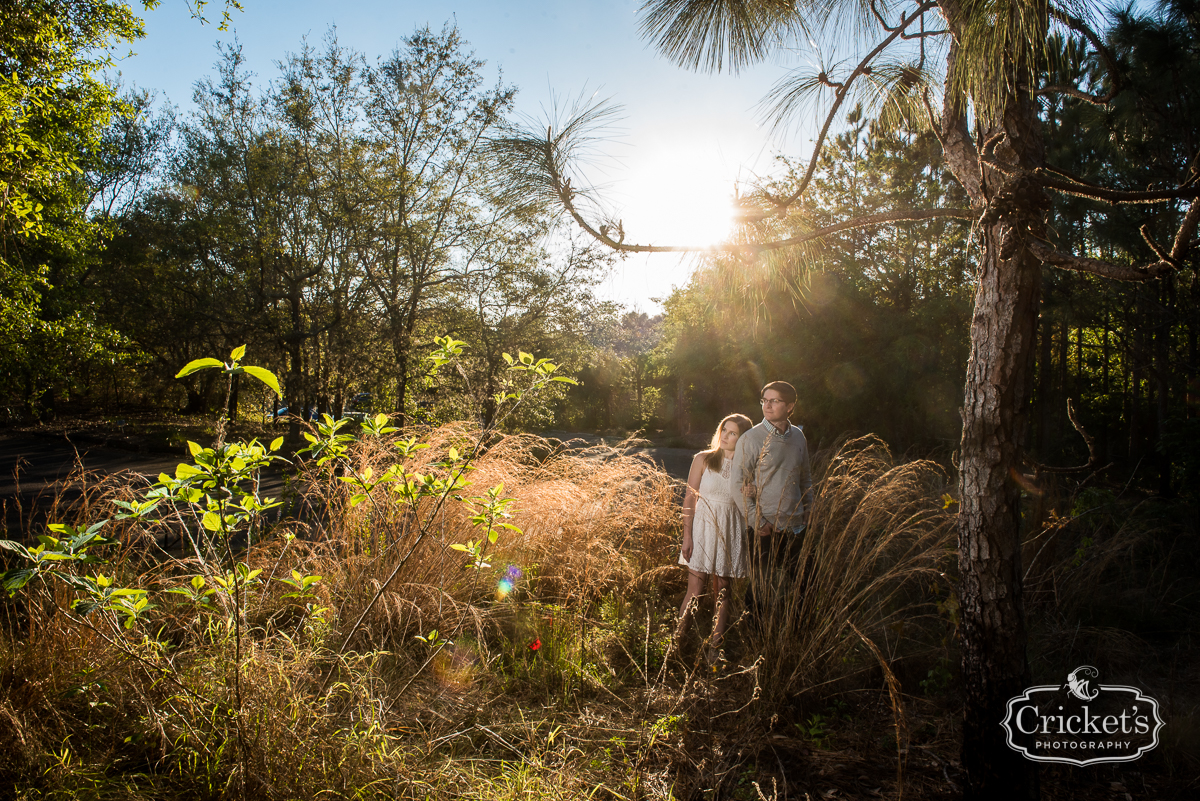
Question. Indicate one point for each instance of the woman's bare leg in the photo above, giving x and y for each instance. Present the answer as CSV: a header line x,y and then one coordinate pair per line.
x,y
694,590
721,589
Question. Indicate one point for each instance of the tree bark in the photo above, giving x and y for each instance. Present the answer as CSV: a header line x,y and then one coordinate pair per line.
x,y
994,666
995,426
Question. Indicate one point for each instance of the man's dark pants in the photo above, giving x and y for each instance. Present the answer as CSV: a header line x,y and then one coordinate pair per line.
x,y
775,553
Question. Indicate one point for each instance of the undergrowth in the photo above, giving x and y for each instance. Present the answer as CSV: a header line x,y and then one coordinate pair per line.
x,y
408,667
457,613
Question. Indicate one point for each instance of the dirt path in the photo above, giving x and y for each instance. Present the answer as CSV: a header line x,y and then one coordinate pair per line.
x,y
34,468
32,464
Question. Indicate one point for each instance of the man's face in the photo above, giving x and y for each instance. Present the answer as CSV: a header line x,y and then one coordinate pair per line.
x,y
775,410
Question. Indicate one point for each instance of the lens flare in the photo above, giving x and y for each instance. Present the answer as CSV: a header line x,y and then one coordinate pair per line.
x,y
506,584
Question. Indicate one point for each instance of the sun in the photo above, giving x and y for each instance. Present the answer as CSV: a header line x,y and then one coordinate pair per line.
x,y
679,198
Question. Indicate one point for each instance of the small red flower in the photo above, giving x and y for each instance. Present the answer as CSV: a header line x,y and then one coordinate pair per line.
x,y
536,644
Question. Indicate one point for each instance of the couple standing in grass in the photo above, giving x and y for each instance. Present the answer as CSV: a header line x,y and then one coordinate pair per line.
x,y
751,486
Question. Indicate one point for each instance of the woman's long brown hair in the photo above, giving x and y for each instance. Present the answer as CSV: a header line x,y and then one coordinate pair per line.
x,y
714,457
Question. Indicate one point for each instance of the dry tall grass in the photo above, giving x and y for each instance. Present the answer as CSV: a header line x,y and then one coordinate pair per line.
x,y
878,536
545,686
593,525
834,614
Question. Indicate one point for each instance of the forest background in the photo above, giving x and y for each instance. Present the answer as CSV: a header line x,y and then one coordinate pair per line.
x,y
336,220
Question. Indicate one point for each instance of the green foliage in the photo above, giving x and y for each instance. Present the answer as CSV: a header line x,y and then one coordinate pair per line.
x,y
195,591
232,368
937,680
816,730
55,105
53,554
56,110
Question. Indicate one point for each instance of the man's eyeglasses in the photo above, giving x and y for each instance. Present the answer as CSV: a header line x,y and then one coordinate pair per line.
x,y
773,401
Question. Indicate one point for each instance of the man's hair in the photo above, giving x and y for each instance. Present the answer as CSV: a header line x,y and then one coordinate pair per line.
x,y
785,390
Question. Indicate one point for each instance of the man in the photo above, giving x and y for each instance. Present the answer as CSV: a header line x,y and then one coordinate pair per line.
x,y
771,461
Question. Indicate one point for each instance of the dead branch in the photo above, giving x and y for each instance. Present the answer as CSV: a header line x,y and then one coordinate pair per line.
x,y
1106,269
1117,196
866,221
1080,188
1093,460
1167,262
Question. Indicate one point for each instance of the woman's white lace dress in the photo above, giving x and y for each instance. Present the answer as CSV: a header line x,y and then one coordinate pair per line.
x,y
717,526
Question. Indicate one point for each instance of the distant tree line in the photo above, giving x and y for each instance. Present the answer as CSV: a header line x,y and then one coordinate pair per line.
x,y
339,218
334,221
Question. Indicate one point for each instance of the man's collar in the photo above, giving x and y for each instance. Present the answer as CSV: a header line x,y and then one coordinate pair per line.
x,y
768,424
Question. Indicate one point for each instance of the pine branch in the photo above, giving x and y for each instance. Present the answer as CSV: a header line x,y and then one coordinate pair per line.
x,y
842,92
1167,262
1079,26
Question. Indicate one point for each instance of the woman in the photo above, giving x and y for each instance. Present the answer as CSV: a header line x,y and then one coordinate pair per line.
x,y
712,527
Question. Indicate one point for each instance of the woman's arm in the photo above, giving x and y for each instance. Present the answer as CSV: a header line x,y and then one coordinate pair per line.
x,y
690,496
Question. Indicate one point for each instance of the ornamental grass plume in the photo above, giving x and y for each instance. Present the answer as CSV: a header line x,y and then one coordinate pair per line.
x,y
878,535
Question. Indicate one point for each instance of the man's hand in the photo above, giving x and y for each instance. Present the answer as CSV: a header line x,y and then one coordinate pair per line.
x,y
765,530
749,490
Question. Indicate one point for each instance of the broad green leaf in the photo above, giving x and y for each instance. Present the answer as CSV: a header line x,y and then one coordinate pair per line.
x,y
15,547
277,443
198,364
84,606
266,376
195,448
211,521
14,580
184,470
237,353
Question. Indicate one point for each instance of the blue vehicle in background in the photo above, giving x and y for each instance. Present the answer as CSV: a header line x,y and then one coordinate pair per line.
x,y
358,408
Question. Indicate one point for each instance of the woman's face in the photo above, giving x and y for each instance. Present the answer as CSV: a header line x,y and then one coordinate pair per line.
x,y
729,436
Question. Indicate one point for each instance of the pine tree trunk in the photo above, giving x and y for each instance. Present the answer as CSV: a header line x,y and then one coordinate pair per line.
x,y
995,432
999,374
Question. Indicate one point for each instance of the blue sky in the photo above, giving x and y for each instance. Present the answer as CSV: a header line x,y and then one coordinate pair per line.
x,y
684,141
